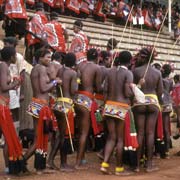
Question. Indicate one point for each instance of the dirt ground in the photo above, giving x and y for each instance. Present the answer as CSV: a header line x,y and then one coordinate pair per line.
x,y
169,169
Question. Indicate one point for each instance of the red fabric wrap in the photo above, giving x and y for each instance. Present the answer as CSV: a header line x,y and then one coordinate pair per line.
x,y
98,9
159,129
42,138
73,5
36,26
70,117
54,34
94,107
9,132
130,138
176,95
79,46
15,9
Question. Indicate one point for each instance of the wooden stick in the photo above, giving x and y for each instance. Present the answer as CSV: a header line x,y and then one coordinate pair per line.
x,y
69,130
154,45
175,43
123,33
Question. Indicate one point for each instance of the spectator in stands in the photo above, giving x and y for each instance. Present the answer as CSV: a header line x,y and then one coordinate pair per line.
x,y
55,34
15,18
35,26
80,42
72,7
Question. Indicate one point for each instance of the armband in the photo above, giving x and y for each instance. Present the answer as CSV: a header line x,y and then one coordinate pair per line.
x,y
54,83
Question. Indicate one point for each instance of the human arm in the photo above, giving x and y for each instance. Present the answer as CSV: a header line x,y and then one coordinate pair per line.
x,y
74,83
5,86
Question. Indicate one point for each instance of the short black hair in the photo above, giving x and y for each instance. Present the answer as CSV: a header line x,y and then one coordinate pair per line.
x,y
124,58
166,70
79,24
41,53
70,59
176,77
7,53
92,54
54,15
11,40
39,6
58,56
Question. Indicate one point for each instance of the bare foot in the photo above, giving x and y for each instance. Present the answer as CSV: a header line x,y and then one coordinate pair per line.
x,y
66,168
105,171
151,169
81,167
51,165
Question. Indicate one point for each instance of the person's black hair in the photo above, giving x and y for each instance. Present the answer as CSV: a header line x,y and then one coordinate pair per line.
x,y
39,6
11,40
41,53
54,15
70,59
112,43
124,58
58,56
7,53
92,54
176,78
79,24
166,70
157,66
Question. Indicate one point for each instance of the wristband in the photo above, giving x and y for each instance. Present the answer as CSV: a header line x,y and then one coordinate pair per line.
x,y
54,83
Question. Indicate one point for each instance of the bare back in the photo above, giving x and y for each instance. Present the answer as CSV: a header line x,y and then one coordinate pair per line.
x,y
118,81
153,80
91,77
69,81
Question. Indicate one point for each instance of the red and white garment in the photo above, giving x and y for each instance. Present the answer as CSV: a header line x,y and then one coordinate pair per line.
x,y
59,4
36,26
147,19
73,5
15,9
98,9
30,2
79,47
53,33
84,6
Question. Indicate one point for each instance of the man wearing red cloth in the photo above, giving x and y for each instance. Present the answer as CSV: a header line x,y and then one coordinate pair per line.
x,y
36,25
79,44
15,18
117,113
55,34
15,160
85,106
44,121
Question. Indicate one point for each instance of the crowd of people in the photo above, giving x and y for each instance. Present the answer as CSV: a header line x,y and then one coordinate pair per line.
x,y
75,97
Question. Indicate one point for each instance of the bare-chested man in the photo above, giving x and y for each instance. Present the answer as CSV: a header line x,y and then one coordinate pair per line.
x,y
39,109
63,109
146,114
90,83
117,94
14,163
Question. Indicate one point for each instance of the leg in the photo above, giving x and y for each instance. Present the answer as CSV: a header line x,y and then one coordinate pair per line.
x,y
166,124
84,129
151,120
120,142
110,143
31,150
139,114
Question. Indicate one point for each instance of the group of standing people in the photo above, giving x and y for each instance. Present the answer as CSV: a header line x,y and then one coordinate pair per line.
x,y
74,89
